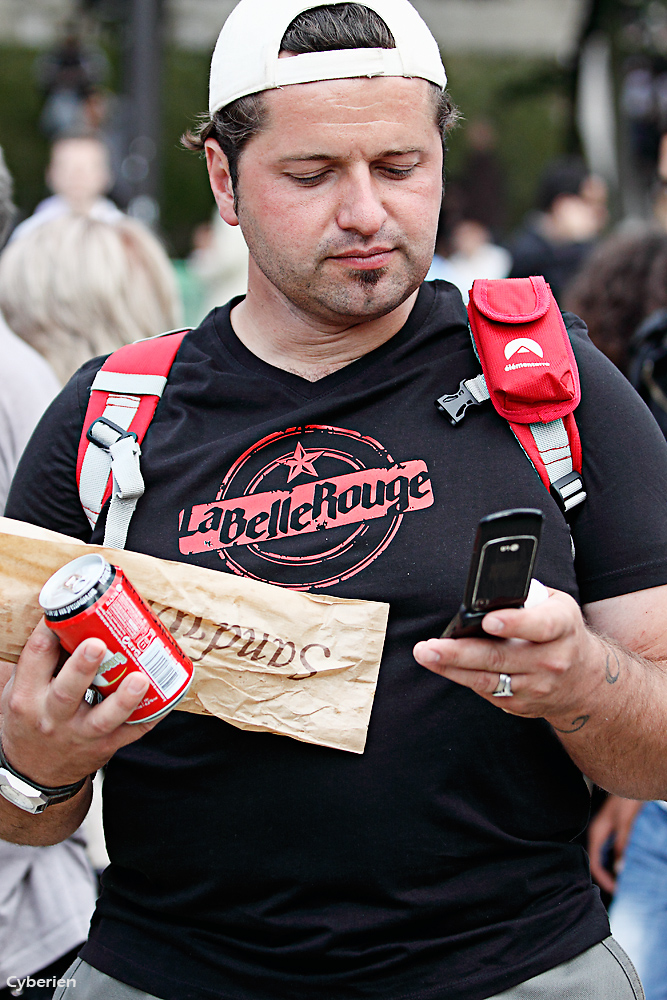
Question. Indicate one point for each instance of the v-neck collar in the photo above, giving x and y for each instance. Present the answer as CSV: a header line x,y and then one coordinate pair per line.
x,y
321,387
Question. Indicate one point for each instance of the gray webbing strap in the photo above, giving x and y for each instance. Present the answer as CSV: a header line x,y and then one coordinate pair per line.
x,y
554,449
477,388
128,487
111,452
139,385
97,461
120,453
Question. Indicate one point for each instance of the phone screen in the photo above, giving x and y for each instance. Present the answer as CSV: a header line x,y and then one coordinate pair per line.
x,y
504,571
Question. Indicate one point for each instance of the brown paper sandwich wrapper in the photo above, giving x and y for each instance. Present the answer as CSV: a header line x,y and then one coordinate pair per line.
x,y
266,658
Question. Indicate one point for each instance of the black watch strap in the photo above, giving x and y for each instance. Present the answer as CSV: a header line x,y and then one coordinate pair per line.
x,y
58,794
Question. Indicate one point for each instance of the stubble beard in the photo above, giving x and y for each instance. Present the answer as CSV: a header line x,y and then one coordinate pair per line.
x,y
320,295
340,297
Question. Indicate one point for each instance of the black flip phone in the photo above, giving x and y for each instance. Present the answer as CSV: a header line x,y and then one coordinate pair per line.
x,y
500,569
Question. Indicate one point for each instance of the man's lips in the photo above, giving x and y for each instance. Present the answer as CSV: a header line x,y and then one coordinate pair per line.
x,y
365,259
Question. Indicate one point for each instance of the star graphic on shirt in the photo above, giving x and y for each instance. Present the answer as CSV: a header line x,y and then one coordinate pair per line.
x,y
302,461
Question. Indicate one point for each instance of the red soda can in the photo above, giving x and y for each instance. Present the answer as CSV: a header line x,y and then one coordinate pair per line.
x,y
89,598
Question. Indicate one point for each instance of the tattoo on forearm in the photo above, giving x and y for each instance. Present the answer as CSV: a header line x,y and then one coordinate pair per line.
x,y
610,676
576,724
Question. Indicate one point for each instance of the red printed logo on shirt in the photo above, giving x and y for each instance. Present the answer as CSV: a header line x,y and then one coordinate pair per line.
x,y
307,507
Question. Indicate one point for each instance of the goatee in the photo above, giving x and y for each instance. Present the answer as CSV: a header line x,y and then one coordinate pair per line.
x,y
370,278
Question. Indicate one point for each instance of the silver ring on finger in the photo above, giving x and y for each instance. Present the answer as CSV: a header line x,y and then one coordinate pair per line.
x,y
504,687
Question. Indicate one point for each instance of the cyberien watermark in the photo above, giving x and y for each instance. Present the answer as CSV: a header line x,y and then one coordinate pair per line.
x,y
17,985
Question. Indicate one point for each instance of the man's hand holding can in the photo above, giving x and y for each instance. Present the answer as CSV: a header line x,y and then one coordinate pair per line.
x,y
50,733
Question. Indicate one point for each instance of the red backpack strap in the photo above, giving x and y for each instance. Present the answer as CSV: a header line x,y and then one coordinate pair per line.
x,y
123,399
530,375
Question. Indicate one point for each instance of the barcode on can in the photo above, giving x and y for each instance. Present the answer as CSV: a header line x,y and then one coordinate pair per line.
x,y
163,669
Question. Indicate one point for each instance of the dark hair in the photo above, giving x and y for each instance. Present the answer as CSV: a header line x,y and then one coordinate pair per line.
x,y
623,280
333,26
564,175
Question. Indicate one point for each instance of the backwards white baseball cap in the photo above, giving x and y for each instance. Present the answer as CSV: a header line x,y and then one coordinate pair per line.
x,y
245,60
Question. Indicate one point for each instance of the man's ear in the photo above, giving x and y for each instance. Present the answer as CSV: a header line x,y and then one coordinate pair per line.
x,y
221,182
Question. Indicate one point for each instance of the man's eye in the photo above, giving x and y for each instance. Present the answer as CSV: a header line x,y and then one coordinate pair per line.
x,y
398,171
309,180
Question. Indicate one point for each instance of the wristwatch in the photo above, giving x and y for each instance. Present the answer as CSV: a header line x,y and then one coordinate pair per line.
x,y
27,794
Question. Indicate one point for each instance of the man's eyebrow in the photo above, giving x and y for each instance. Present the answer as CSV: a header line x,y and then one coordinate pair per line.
x,y
307,158
318,157
402,152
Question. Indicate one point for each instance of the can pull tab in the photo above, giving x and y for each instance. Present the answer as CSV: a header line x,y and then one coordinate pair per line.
x,y
76,583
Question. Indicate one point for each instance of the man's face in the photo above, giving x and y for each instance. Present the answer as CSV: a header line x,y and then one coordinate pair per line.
x,y
338,197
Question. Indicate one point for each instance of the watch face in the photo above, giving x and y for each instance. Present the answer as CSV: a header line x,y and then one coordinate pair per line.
x,y
10,789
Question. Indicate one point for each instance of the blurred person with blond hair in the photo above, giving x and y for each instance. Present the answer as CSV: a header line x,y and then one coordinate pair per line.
x,y
79,287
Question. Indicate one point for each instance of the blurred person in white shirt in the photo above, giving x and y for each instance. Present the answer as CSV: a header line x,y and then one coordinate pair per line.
x,y
79,174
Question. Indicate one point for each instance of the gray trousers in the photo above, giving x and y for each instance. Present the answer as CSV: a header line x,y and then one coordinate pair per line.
x,y
604,972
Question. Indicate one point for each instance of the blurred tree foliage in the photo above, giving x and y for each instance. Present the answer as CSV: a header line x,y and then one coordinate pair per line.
x,y
529,104
25,147
642,23
635,32
187,198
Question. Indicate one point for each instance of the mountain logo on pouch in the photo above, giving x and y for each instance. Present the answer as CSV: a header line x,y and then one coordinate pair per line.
x,y
307,507
524,345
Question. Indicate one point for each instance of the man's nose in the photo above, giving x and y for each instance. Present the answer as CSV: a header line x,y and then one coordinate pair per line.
x,y
361,206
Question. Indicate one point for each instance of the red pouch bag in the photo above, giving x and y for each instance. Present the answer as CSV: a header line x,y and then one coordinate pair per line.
x,y
524,349
527,359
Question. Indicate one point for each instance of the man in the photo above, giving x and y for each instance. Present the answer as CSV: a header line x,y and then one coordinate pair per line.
x,y
440,863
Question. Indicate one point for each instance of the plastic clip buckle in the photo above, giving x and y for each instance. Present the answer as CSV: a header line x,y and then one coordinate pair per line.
x,y
568,491
454,407
120,431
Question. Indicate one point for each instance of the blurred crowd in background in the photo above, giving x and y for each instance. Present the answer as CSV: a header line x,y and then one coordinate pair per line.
x,y
94,262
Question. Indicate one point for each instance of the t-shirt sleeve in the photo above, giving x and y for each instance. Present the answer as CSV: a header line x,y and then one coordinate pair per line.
x,y
44,490
620,532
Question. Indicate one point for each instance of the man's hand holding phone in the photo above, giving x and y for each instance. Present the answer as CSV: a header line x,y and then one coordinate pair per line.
x,y
538,671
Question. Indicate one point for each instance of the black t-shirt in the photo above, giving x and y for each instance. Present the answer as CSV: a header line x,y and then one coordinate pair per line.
x,y
440,863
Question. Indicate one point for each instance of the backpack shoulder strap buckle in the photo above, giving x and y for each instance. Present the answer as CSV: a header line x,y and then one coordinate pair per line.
x,y
471,392
104,433
568,492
